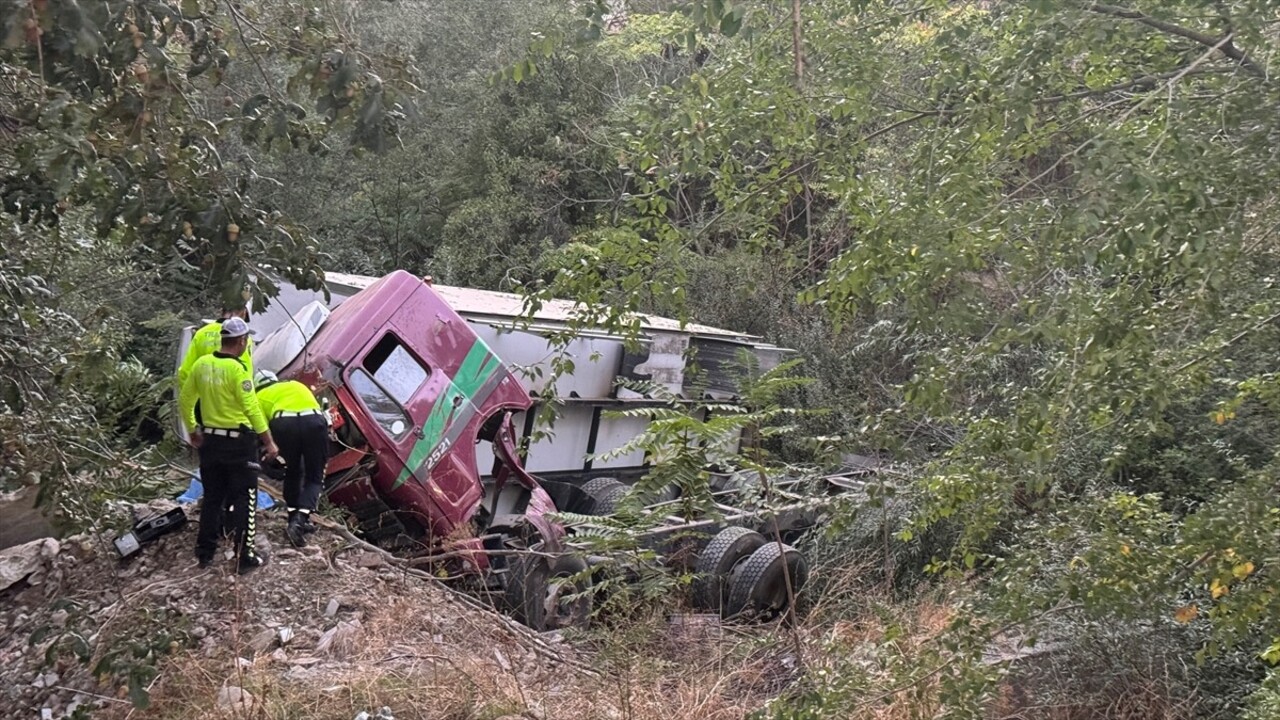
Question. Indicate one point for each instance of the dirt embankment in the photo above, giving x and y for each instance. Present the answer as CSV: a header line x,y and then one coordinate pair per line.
x,y
331,631
20,521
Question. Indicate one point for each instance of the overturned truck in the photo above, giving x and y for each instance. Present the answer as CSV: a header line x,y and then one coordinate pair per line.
x,y
428,418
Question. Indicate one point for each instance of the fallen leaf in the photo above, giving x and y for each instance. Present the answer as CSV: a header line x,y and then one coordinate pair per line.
x,y
1186,614
1217,589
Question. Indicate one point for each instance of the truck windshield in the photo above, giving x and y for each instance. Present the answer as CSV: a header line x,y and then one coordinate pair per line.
x,y
382,407
397,371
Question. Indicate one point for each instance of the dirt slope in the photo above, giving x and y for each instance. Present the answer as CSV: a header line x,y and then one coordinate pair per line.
x,y
328,631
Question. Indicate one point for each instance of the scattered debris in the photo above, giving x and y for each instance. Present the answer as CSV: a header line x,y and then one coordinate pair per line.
x,y
223,645
28,561
149,527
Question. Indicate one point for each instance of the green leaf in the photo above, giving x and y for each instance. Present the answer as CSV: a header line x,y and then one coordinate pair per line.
x,y
731,22
253,104
138,693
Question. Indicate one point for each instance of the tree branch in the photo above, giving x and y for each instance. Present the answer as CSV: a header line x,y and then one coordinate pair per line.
x,y
797,42
1145,82
904,121
237,18
1223,45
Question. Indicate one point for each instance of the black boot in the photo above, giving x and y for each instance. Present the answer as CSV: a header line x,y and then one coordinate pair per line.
x,y
249,563
293,531
308,527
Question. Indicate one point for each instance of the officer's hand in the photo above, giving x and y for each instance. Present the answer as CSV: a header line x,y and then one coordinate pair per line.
x,y
197,438
270,450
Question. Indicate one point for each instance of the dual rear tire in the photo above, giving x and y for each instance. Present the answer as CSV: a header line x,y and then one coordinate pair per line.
x,y
740,573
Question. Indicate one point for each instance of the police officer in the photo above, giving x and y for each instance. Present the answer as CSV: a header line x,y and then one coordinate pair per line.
x,y
207,340
227,438
299,426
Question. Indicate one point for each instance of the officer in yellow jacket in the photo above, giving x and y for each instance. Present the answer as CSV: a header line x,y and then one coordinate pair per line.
x,y
208,339
227,436
299,426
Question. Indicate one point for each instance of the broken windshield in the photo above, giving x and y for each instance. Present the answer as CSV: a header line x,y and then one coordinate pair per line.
x,y
382,407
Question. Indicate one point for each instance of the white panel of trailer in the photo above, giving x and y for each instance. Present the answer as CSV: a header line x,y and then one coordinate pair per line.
x,y
613,434
661,359
596,360
484,457
567,448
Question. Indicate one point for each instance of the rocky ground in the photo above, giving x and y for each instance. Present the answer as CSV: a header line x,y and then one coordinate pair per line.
x,y
330,631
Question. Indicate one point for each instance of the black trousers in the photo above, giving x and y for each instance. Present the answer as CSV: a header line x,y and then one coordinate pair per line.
x,y
304,448
229,473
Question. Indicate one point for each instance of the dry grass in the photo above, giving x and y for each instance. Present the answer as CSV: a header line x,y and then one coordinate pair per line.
x,y
482,683
402,643
406,644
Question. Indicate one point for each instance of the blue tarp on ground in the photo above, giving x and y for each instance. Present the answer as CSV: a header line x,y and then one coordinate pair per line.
x,y
196,489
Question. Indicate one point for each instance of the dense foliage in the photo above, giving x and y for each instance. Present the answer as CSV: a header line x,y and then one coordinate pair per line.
x,y
1026,248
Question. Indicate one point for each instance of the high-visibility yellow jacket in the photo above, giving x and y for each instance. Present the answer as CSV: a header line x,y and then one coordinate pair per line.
x,y
286,396
224,388
206,341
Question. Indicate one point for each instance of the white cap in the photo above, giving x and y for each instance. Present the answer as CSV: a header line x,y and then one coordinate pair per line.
x,y
235,327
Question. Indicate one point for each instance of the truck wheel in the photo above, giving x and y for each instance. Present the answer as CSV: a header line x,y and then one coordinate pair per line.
x,y
568,598
666,493
759,584
524,585
716,561
548,593
603,495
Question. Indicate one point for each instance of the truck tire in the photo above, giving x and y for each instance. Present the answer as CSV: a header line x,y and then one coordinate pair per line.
x,y
548,593
571,605
759,584
717,560
603,495
666,494
524,586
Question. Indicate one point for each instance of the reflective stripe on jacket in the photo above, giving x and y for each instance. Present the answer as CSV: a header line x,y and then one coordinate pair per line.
x,y
286,396
206,341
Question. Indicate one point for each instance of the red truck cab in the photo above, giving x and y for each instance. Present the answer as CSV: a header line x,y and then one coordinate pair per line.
x,y
412,390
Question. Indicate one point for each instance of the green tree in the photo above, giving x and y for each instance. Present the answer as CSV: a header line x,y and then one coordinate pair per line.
x,y
127,183
1062,215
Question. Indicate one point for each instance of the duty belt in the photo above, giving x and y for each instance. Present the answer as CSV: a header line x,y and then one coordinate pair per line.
x,y
224,432
294,413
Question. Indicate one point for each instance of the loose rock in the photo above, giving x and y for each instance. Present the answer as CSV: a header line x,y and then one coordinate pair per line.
x,y
234,699
27,561
263,642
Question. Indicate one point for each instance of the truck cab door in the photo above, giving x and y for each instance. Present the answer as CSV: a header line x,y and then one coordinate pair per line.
x,y
415,408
